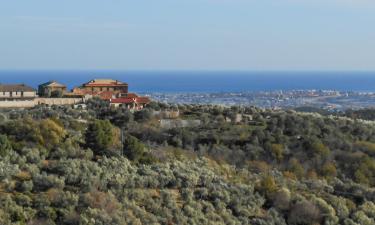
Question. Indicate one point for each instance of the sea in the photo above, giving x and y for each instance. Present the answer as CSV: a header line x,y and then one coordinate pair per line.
x,y
202,81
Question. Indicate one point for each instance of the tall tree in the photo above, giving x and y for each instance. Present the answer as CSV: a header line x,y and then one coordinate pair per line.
x,y
101,135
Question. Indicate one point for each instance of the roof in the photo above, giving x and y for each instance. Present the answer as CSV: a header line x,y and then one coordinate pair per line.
x,y
106,95
142,100
15,87
104,82
122,100
129,95
53,83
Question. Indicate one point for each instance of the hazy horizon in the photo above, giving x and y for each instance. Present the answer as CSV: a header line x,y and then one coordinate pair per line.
x,y
204,81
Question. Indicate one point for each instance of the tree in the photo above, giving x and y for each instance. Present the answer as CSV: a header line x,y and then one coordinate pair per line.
x,y
101,135
121,119
5,145
277,151
329,170
296,167
136,151
267,185
133,148
315,147
143,115
51,132
304,212
154,105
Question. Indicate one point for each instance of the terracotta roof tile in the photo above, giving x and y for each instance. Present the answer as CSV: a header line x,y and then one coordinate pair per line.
x,y
142,100
122,100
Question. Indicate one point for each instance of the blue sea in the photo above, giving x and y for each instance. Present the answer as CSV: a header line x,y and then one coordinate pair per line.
x,y
204,81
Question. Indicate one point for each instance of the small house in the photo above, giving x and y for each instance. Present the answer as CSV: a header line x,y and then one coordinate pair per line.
x,y
132,101
51,89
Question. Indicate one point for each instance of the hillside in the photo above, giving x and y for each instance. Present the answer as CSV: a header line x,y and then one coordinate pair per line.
x,y
185,164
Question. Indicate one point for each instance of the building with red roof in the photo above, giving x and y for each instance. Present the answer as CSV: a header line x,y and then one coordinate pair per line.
x,y
114,91
97,86
131,102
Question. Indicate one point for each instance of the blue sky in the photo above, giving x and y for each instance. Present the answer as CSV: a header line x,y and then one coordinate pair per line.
x,y
188,34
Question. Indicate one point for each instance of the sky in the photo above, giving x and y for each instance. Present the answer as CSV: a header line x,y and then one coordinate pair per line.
x,y
187,34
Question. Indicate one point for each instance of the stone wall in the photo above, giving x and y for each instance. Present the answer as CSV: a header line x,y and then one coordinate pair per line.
x,y
58,101
17,104
169,124
40,101
167,114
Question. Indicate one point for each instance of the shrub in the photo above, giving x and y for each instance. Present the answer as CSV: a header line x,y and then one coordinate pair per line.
x,y
304,213
361,218
5,145
7,169
100,200
296,167
143,115
52,133
282,199
277,151
44,182
267,185
136,151
329,170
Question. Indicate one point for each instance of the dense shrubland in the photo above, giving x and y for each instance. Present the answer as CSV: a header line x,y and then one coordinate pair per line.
x,y
239,166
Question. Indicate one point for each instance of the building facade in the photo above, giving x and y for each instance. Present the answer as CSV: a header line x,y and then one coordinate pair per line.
x,y
97,87
51,89
17,92
130,101
113,91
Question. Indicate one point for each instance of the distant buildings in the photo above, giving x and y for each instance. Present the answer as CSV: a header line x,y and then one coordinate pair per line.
x,y
16,92
51,89
16,95
97,87
54,93
131,101
114,91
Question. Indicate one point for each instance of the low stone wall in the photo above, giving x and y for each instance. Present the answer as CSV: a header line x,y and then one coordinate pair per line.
x,y
167,114
17,104
169,124
58,101
40,101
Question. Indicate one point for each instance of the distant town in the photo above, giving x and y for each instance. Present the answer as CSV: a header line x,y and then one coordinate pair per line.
x,y
53,93
330,100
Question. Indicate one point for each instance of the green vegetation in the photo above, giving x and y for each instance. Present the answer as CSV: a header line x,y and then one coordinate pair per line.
x,y
234,166
102,136
5,146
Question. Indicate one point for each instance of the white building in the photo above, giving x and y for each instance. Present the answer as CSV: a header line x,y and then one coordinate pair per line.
x,y
16,92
